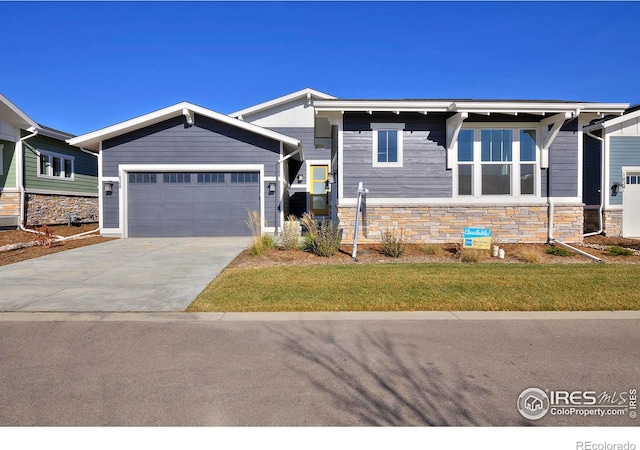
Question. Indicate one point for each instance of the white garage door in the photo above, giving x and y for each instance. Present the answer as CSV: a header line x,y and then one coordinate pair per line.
x,y
631,206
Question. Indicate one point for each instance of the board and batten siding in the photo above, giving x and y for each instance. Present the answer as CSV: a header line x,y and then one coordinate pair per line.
x,y
8,171
563,162
85,168
424,171
591,182
623,151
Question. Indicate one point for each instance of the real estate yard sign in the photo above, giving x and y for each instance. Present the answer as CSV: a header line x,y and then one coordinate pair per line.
x,y
477,238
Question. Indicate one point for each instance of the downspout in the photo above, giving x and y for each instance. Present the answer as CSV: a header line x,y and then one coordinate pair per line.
x,y
601,206
20,176
551,239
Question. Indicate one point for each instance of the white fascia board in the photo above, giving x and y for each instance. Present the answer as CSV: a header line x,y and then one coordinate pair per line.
x,y
382,105
308,92
538,107
15,115
91,140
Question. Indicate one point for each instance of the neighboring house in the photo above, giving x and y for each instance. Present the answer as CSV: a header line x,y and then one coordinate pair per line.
x,y
432,167
612,175
43,180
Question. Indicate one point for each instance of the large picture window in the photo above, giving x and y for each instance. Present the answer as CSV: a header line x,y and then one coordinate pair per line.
x,y
53,165
387,144
497,162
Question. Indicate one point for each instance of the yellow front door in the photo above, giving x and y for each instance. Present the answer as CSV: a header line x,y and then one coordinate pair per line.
x,y
319,198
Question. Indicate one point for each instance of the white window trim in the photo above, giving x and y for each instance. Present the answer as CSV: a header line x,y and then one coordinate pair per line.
x,y
51,155
515,163
375,127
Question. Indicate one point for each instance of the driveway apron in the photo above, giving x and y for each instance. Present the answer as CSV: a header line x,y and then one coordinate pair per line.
x,y
144,274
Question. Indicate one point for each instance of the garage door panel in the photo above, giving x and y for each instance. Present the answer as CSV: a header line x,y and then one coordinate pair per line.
x,y
191,209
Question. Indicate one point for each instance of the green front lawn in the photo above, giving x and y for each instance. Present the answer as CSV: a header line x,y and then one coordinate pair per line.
x,y
424,287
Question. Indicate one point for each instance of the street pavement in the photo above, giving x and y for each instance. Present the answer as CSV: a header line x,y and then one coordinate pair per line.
x,y
181,369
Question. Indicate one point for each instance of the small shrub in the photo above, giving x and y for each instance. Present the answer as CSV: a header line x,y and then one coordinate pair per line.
x,y
323,239
615,250
472,255
530,255
289,236
393,243
557,251
45,237
433,249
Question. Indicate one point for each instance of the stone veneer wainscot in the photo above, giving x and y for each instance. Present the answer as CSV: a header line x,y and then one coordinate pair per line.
x,y
444,224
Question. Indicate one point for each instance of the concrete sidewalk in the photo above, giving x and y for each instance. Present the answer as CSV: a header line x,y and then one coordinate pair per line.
x,y
163,274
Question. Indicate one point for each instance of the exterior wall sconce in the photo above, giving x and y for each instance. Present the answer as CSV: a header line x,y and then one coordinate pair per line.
x,y
272,188
331,179
615,188
299,178
108,188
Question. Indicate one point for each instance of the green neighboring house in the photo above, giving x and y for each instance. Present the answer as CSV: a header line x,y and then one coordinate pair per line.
x,y
43,180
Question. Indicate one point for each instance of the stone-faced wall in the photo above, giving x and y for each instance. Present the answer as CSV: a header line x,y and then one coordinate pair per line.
x,y
49,209
442,224
612,223
9,203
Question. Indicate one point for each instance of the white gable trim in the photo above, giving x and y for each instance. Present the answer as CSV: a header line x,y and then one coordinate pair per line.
x,y
308,92
15,115
92,140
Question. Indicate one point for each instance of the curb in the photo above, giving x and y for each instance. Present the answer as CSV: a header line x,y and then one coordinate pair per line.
x,y
182,317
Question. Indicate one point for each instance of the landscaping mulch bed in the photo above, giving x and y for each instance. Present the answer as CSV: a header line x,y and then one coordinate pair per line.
x,y
416,253
18,236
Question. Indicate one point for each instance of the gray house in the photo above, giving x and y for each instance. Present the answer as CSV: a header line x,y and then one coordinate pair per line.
x,y
432,167
43,180
189,171
612,175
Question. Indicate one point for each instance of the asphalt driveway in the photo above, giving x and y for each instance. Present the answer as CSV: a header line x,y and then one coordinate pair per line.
x,y
144,274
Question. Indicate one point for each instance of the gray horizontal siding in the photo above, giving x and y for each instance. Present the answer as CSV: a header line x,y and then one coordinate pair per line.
x,y
172,142
563,162
592,172
307,138
623,151
110,208
424,172
206,142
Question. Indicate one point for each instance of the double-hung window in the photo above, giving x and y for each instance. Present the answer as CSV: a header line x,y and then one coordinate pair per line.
x,y
387,144
54,165
497,162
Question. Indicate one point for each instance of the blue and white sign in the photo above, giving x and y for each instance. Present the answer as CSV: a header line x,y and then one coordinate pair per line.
x,y
477,238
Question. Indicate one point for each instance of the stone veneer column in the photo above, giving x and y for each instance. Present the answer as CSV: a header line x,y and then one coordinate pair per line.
x,y
612,222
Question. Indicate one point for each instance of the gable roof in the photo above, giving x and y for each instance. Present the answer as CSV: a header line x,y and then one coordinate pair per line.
x,y
92,140
303,93
10,113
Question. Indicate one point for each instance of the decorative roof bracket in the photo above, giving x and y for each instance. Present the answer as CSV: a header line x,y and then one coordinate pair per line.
x,y
454,124
188,114
551,128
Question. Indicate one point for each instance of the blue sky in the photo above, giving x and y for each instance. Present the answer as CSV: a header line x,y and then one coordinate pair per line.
x,y
81,66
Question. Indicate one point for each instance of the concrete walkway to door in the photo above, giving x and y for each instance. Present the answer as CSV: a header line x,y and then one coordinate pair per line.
x,y
143,274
